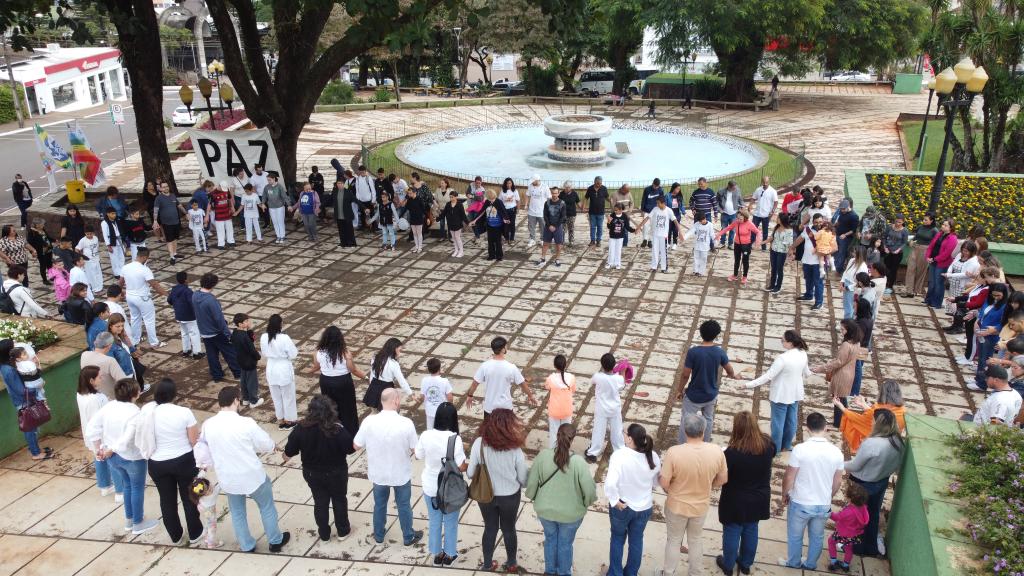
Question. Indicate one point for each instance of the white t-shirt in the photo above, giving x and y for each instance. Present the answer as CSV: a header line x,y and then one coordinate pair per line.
x,y
250,205
116,308
259,182
431,448
510,198
631,480
537,197
817,460
78,276
389,439
170,422
195,218
136,279
392,372
606,392
810,254
766,199
90,248
435,390
728,208
328,368
498,377
239,186
661,219
1003,405
702,234
88,406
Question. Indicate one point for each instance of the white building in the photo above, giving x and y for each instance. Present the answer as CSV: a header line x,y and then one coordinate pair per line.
x,y
69,79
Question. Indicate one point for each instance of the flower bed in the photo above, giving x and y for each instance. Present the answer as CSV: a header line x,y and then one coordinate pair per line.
x,y
991,486
224,119
26,331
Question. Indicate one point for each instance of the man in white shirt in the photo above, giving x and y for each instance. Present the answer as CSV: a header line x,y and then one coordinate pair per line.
x,y
762,206
137,280
114,299
498,376
236,443
364,195
536,195
662,217
1002,406
813,477
814,285
390,440
259,181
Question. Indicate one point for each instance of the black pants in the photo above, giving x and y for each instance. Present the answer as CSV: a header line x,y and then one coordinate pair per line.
x,y
740,253
23,208
892,266
342,390
970,347
173,478
330,489
500,513
216,346
837,414
777,260
45,263
494,251
346,235
510,228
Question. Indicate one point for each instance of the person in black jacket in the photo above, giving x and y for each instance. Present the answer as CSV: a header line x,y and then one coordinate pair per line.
x,y
554,227
454,216
244,342
495,218
344,197
746,498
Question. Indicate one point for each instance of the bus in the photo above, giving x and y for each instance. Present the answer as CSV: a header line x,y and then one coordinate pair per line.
x,y
601,81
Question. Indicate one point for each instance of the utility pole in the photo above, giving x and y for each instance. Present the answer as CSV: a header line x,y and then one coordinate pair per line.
x,y
14,85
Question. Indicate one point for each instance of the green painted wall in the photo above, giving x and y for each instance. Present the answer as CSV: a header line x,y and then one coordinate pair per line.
x,y
61,387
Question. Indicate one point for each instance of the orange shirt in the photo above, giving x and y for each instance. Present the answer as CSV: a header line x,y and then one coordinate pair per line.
x,y
690,471
560,400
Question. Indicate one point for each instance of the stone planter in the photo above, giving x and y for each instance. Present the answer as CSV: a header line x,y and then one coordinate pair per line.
x,y
60,362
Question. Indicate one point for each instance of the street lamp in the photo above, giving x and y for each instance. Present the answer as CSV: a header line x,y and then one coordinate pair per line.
x,y
958,86
227,94
458,54
206,89
216,69
927,112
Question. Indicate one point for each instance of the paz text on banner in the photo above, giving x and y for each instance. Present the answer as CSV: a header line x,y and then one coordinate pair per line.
x,y
220,153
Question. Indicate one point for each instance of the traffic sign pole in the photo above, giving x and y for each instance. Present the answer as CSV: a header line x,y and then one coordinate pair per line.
x,y
117,117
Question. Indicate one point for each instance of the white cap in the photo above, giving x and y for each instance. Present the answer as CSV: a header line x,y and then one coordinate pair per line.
x,y
224,185
536,178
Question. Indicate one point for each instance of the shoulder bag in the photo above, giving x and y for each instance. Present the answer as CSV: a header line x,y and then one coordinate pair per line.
x,y
33,414
481,489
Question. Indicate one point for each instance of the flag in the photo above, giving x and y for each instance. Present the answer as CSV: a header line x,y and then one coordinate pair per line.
x,y
87,162
51,153
928,66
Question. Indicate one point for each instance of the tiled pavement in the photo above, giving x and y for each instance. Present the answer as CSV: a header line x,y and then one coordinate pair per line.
x,y
54,521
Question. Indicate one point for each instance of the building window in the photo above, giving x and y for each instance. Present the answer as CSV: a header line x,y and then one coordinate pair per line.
x,y
63,95
115,83
93,94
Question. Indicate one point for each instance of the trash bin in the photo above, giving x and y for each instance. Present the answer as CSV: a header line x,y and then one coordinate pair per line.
x,y
907,84
76,191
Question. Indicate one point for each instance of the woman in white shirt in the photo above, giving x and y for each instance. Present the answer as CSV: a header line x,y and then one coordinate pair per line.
x,y
112,438
90,400
334,361
279,350
632,475
848,282
787,375
964,268
385,372
432,448
172,466
510,198
20,295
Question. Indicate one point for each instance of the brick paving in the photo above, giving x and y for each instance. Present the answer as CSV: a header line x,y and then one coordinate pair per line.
x,y
53,520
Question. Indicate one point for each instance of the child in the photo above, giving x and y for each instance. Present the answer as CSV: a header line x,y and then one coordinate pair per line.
x,y
135,229
27,366
387,215
561,386
197,223
244,341
618,226
61,279
780,240
115,296
825,246
89,246
675,194
454,215
746,235
307,206
251,207
43,244
111,230
850,523
180,299
607,408
662,218
204,495
65,253
703,232
79,275
435,390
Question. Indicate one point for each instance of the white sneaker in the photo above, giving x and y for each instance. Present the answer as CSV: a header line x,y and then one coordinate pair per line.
x,y
160,345
673,246
974,387
128,524
881,545
144,526
245,403
963,361
106,491
145,389
961,339
259,402
531,243
607,266
118,498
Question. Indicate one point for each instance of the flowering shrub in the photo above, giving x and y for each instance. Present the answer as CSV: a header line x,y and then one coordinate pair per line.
x,y
991,487
996,204
26,331
224,118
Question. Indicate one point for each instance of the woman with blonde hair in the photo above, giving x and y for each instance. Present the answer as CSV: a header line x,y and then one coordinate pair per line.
x,y
856,426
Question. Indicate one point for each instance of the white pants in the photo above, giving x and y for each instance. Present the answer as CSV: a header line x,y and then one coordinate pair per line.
x,y
417,235
116,260
284,402
457,243
135,248
277,218
199,237
647,230
94,271
357,213
225,231
606,422
553,424
659,255
615,252
190,340
700,261
142,311
252,223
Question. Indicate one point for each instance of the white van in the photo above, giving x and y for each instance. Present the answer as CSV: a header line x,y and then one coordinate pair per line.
x,y
597,81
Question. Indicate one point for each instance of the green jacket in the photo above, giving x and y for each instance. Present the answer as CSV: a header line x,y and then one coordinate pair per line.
x,y
567,494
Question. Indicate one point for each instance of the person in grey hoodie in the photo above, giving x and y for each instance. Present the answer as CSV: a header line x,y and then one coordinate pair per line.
x,y
276,198
554,227
730,200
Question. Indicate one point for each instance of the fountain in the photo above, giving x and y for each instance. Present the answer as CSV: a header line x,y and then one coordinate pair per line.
x,y
578,138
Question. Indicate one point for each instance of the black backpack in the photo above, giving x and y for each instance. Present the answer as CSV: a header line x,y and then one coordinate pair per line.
x,y
452,490
6,303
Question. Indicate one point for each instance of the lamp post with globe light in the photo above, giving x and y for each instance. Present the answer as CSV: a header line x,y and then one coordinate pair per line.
x,y
957,87
927,112
206,90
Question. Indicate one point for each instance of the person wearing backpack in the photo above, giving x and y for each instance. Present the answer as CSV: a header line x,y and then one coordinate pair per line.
x,y
15,297
444,488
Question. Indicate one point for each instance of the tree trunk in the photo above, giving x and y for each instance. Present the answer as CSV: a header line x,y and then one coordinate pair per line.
x,y
739,67
364,71
394,77
287,145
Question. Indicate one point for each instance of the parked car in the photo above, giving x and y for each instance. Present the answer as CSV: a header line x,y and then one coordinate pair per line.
x,y
852,76
504,85
183,117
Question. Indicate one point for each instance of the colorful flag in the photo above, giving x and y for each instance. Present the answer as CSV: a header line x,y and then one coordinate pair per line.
x,y
87,162
52,154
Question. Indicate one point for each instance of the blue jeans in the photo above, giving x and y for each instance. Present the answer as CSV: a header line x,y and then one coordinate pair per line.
x,y
217,346
842,252
783,425
133,478
813,283
441,528
986,347
596,227
848,303
936,286
627,525
764,223
32,441
387,235
727,219
264,498
558,538
380,510
741,538
809,518
105,477
777,261
876,494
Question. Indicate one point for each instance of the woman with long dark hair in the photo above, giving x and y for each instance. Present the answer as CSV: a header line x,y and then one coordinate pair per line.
x,y
149,193
172,465
510,198
72,225
746,497
432,448
787,374
90,400
323,442
840,372
986,331
20,396
500,448
385,372
939,256
878,458
78,310
334,361
779,240
14,250
629,485
561,487
279,350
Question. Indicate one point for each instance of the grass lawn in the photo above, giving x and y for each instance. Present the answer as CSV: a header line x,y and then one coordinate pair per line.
x,y
677,77
933,142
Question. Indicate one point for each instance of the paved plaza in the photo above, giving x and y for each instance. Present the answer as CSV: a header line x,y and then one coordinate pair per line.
x,y
54,522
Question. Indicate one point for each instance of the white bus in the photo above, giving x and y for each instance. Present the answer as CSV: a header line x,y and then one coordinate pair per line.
x,y
601,81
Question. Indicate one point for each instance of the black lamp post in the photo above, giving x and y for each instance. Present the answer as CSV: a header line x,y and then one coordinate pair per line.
x,y
957,87
927,112
206,89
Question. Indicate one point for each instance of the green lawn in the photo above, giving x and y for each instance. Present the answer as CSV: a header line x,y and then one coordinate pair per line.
x,y
933,142
677,77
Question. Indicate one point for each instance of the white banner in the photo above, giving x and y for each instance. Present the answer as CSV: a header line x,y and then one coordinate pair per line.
x,y
503,62
219,153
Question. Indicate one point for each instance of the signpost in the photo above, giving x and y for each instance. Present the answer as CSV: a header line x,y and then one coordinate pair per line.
x,y
117,117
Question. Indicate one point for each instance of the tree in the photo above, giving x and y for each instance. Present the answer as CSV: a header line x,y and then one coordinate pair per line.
x,y
623,33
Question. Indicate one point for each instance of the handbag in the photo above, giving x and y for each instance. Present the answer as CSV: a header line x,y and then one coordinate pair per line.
x,y
481,489
33,414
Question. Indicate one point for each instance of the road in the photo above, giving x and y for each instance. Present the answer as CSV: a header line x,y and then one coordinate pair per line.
x,y
18,152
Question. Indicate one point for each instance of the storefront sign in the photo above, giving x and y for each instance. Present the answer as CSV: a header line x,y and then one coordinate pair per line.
x,y
220,153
